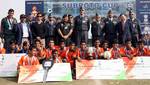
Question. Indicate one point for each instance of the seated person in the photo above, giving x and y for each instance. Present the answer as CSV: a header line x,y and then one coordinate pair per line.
x,y
2,49
128,51
41,51
97,50
55,57
13,48
25,47
30,58
83,50
115,50
141,50
51,47
62,50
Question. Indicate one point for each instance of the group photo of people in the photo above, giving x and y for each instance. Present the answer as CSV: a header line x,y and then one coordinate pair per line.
x,y
65,39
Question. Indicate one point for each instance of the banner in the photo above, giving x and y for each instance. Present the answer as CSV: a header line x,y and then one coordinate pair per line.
x,y
143,14
137,68
59,72
33,7
100,69
8,64
58,8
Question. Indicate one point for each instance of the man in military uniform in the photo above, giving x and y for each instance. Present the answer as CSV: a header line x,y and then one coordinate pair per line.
x,y
96,28
109,28
135,29
7,25
82,26
50,29
65,30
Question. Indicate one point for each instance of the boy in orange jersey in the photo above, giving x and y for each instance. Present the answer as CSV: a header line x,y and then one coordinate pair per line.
x,y
83,50
55,57
128,50
115,50
30,58
141,50
41,51
62,50
97,50
51,46
72,55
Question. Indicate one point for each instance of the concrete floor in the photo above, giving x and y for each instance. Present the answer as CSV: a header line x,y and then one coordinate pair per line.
x,y
13,81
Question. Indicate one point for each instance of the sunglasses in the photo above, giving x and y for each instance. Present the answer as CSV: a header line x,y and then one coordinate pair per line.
x,y
39,16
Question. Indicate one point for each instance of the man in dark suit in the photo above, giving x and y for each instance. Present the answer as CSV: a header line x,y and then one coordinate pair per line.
x,y
109,29
135,29
123,29
7,28
23,31
82,25
96,28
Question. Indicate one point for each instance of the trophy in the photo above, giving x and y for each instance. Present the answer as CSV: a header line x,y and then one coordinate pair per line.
x,y
47,65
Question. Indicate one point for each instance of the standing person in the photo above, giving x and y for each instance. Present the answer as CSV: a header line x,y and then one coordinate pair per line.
x,y
82,26
65,30
23,31
109,29
123,29
96,28
50,29
135,29
38,29
7,26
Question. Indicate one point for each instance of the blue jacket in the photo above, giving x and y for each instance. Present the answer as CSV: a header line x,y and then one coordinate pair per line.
x,y
19,33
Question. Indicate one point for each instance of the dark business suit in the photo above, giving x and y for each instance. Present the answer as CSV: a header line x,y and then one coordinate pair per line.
x,y
96,30
7,33
82,25
110,30
19,33
135,31
123,32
